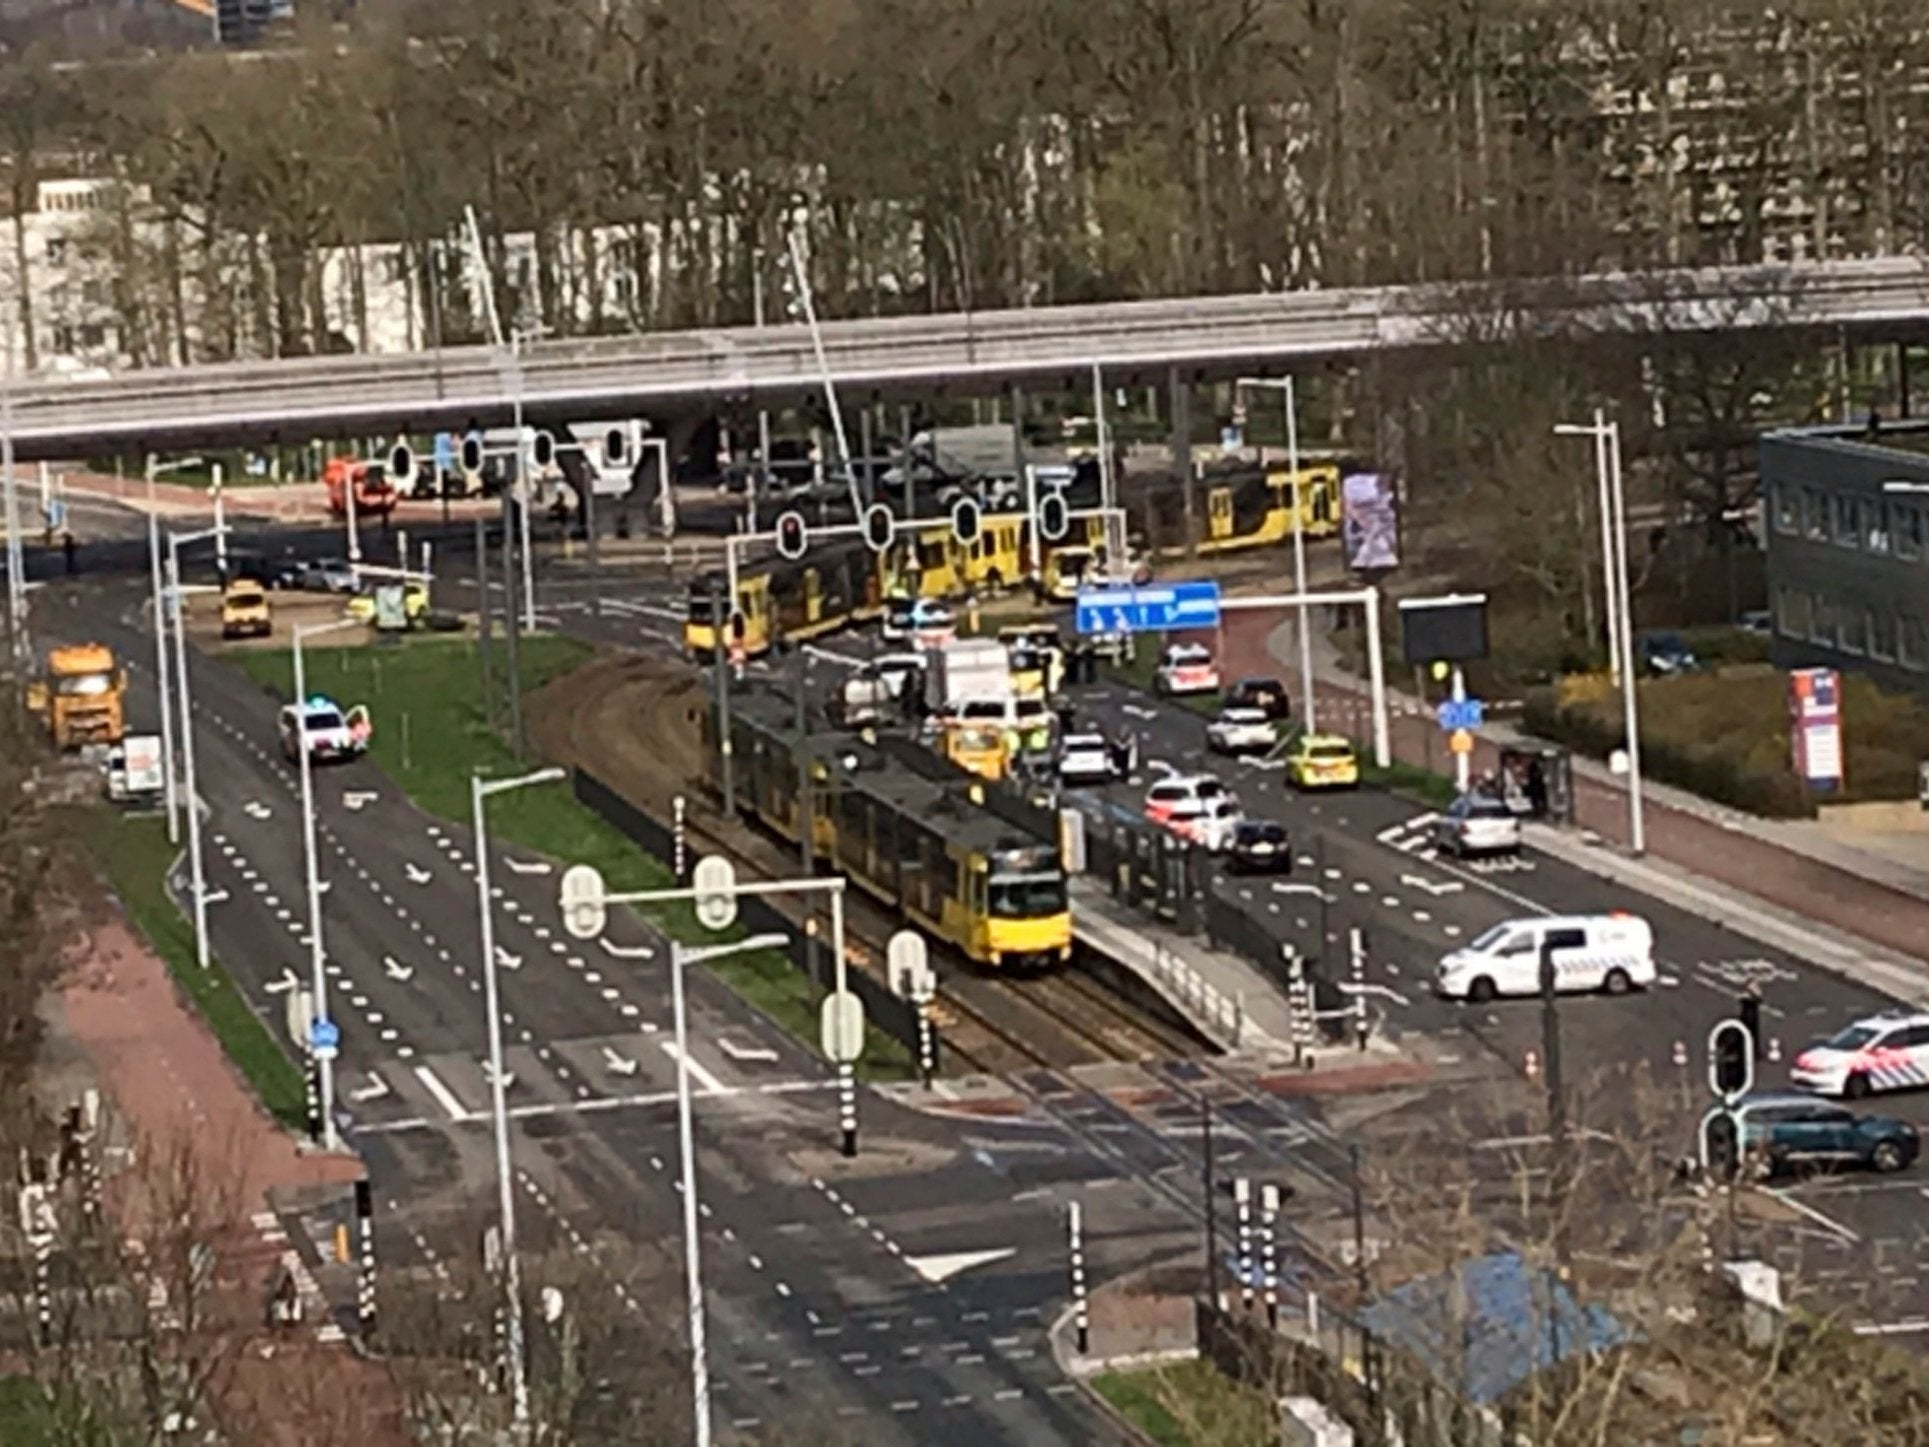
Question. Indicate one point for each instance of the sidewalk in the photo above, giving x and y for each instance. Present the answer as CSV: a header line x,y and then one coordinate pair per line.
x,y
1873,901
189,1125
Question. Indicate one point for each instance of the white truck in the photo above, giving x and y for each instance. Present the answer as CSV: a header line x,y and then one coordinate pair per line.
x,y
966,668
875,690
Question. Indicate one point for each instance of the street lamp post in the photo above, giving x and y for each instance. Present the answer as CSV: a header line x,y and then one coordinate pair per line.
x,y
161,668
16,555
1302,625
178,606
1614,543
479,791
317,974
517,337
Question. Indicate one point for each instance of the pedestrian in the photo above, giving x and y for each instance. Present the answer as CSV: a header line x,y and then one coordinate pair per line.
x,y
1537,787
68,549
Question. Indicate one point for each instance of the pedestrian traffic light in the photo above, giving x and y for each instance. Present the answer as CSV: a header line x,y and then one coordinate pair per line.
x,y
966,520
542,449
471,453
1054,516
1731,1059
1720,1144
879,527
792,536
616,447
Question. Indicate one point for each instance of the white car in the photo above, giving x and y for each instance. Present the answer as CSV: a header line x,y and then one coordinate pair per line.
x,y
1209,823
1878,1052
1242,731
1086,759
1186,668
328,731
1181,791
1477,824
1611,952
931,625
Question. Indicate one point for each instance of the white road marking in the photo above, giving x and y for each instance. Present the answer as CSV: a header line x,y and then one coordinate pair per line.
x,y
1826,1222
696,1068
744,1052
444,1097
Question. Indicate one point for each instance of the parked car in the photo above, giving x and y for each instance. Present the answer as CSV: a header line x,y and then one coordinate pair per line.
x,y
281,573
1322,761
1878,1052
1477,824
1782,1132
1211,824
1241,731
1260,846
1268,695
1186,668
327,575
1609,952
1087,759
1179,791
1665,654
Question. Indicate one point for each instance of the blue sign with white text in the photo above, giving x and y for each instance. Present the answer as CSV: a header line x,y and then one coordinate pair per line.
x,y
325,1036
1153,608
1462,713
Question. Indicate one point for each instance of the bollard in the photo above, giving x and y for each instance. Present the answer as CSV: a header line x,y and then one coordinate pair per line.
x,y
1081,1317
1242,1191
1356,950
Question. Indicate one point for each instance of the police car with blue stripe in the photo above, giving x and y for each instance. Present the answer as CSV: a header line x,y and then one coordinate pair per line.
x,y
1889,1051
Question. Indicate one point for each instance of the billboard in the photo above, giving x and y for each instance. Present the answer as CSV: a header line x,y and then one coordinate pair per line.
x,y
1369,521
1815,725
1450,629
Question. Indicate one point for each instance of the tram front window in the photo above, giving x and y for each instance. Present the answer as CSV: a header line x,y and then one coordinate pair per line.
x,y
701,609
1027,896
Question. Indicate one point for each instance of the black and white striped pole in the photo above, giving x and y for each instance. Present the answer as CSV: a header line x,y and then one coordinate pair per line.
x,y
1268,1247
311,1084
847,1105
1298,1001
90,1179
37,1222
680,838
1242,1196
927,1042
1081,1317
365,1279
1356,951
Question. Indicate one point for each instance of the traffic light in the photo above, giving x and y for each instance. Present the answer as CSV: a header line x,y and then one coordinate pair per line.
x,y
1720,1145
879,527
1748,1009
1054,516
966,520
739,625
1731,1059
401,464
616,447
471,453
542,449
792,536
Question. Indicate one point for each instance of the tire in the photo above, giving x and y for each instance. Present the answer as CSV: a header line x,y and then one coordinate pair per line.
x,y
1887,1157
1482,991
1617,982
1856,1087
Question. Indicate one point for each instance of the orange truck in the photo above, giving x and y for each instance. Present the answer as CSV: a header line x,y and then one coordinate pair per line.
x,y
81,696
375,495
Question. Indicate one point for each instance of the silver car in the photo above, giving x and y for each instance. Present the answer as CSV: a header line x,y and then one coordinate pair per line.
x,y
1477,824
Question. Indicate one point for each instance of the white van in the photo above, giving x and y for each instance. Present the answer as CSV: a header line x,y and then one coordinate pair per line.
x,y
1611,952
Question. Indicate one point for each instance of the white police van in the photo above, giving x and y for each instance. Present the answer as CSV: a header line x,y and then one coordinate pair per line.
x,y
1611,952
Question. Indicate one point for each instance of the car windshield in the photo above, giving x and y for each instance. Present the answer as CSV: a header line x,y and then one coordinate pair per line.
x,y
1084,743
318,719
1493,937
1188,656
1209,788
1243,716
1027,896
1330,752
1486,809
1262,830
85,685
982,708
1854,1037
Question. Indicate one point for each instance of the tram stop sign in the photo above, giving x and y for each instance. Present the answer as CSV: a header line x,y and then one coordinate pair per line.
x,y
584,911
908,966
713,881
841,1027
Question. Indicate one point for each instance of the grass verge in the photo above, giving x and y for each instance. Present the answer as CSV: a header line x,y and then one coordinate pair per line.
x,y
133,854
26,1418
1410,781
426,701
1190,1404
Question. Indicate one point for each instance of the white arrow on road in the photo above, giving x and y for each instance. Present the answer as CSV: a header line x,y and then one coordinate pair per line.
x,y
507,960
288,981
355,799
255,809
521,866
416,874
1279,887
1134,710
1414,881
940,1268
489,1076
618,1064
396,969
628,952
374,1090
1347,987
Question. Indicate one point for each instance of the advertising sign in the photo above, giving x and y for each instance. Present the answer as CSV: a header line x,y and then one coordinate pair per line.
x,y
141,763
391,608
1369,521
1815,725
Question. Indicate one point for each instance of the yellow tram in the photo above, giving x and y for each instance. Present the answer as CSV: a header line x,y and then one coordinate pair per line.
x,y
908,827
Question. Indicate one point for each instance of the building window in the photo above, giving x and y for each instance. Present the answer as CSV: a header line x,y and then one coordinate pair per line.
x,y
1852,633
56,251
92,335
1910,650
1876,514
1882,635
1908,529
63,338
1821,622
1848,520
1792,613
1815,517
1788,518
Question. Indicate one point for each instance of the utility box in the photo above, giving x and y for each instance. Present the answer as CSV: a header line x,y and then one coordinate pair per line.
x,y
1305,1422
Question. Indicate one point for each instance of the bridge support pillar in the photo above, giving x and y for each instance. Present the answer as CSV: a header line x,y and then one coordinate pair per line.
x,y
1179,408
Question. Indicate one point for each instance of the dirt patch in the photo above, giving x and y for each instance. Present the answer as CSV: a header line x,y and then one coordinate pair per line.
x,y
631,719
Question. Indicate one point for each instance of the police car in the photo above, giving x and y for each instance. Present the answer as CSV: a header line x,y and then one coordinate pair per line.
x,y
1186,668
329,731
1889,1051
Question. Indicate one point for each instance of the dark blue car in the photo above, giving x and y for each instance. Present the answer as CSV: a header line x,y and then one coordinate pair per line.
x,y
1788,1132
1664,654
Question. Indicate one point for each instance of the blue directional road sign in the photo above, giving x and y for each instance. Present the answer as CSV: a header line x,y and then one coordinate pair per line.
x,y
325,1038
1154,608
445,451
1461,713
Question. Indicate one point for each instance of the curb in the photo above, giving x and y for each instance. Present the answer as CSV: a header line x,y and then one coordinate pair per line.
x,y
1846,955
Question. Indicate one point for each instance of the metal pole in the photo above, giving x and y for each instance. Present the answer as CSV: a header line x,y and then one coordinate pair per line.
x,y
1551,1048
161,668
1609,582
1268,1245
1242,1196
499,1111
187,754
1305,624
510,629
522,501
824,369
1081,1316
846,1075
726,759
1463,764
1212,1209
483,626
1356,953
365,1283
1637,826
1376,682
686,1144
759,473
677,838
927,1043
1107,483
311,861
348,517
220,526
16,555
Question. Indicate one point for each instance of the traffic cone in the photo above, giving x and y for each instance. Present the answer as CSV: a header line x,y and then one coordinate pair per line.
x,y
1680,1053
1531,1066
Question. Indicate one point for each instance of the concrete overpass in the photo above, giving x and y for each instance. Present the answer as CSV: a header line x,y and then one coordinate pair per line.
x,y
680,374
